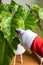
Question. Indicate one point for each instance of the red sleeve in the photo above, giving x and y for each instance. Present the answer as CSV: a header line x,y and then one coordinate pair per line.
x,y
37,46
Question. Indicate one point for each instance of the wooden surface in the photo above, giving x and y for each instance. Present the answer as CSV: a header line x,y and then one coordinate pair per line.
x,y
27,60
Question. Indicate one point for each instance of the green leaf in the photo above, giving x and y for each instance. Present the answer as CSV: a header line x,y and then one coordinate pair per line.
x,y
31,20
20,23
6,53
6,49
36,7
39,11
16,23
21,12
39,25
2,47
15,42
4,7
9,21
13,7
6,24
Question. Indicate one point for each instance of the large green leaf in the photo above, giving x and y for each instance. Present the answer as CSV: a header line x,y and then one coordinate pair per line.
x,y
6,53
6,24
39,11
19,23
6,49
31,21
14,43
39,25
16,23
4,7
21,12
13,7
2,46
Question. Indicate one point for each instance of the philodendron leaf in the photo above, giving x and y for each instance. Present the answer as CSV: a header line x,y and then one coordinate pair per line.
x,y
21,12
14,43
2,47
6,24
6,52
4,7
39,11
16,23
13,7
8,55
31,20
20,23
39,25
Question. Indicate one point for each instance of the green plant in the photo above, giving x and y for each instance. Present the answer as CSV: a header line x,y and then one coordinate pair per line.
x,y
37,11
9,21
12,17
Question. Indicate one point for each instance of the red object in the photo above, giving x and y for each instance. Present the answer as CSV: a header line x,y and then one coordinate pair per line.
x,y
37,46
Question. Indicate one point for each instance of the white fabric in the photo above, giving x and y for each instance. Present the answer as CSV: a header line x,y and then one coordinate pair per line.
x,y
27,38
20,50
41,59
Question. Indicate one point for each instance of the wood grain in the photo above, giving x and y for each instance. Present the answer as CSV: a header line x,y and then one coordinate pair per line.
x,y
27,60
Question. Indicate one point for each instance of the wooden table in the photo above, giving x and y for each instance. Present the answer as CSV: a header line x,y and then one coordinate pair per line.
x,y
27,60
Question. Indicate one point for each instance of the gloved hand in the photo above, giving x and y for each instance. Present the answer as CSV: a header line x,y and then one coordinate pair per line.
x,y
26,37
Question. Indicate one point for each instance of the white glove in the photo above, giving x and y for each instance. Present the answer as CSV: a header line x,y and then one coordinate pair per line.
x,y
26,38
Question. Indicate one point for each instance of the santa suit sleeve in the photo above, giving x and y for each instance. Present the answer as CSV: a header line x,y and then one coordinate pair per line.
x,y
37,46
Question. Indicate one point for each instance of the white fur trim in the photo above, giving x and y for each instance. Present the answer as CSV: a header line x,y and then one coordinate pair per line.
x,y
28,38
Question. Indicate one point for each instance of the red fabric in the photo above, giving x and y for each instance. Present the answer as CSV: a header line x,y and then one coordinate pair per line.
x,y
37,46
